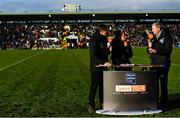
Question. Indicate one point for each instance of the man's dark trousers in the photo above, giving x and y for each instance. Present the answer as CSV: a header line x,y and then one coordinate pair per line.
x,y
96,80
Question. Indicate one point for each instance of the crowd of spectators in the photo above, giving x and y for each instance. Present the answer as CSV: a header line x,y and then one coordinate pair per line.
x,y
26,36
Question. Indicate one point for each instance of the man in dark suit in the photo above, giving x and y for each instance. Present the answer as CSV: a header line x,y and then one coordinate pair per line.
x,y
98,56
160,54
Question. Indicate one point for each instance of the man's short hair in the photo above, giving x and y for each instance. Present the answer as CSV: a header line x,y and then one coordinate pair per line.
x,y
158,24
102,28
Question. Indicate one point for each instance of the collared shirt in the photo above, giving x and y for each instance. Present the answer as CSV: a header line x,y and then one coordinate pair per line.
x,y
158,35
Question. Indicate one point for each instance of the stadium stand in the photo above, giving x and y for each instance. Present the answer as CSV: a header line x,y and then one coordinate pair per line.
x,y
26,31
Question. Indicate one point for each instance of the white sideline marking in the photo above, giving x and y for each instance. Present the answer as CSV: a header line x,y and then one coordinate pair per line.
x,y
141,58
27,58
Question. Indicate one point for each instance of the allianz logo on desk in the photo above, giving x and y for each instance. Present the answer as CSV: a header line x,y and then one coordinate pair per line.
x,y
130,78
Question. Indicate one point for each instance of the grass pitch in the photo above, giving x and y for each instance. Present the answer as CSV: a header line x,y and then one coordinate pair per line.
x,y
55,83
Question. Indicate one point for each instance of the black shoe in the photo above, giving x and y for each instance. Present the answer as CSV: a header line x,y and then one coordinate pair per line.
x,y
91,109
101,106
163,107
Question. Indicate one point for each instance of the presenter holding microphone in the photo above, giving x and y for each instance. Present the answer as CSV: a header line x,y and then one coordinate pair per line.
x,y
160,52
98,56
121,51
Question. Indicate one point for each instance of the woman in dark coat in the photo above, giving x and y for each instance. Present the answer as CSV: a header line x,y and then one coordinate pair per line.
x,y
121,51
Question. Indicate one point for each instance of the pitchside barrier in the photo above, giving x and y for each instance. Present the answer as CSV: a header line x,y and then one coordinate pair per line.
x,y
130,92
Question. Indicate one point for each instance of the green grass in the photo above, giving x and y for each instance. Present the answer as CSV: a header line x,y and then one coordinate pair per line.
x,y
56,83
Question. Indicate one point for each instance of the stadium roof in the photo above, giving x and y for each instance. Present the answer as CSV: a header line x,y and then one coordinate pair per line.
x,y
87,15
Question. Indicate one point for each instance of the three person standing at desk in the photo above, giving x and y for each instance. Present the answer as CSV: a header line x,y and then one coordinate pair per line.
x,y
160,50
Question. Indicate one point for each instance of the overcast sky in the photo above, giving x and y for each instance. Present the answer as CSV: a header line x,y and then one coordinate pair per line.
x,y
103,5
